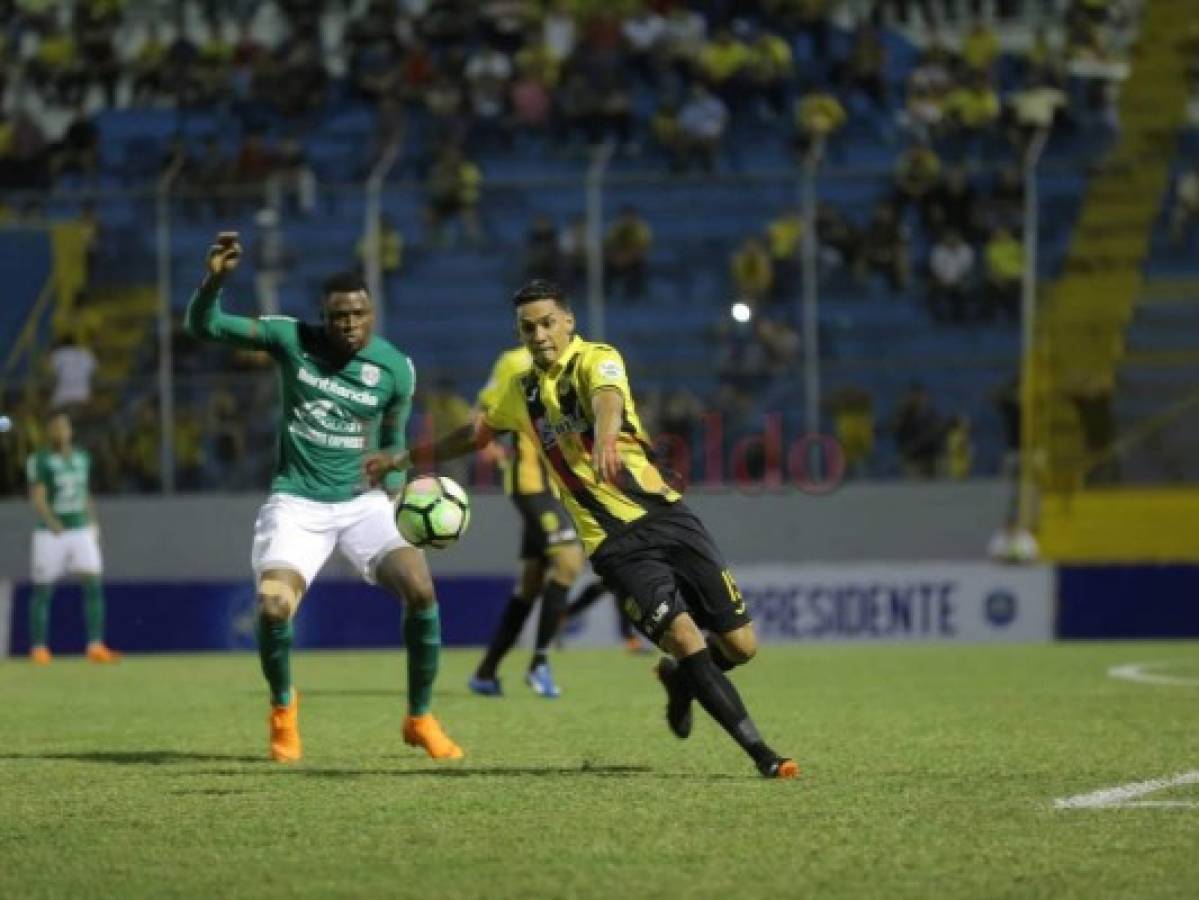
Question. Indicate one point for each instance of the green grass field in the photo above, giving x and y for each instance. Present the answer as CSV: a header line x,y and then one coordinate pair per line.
x,y
928,772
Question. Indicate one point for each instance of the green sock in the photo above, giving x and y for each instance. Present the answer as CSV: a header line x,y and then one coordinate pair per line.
x,y
39,614
422,637
93,609
274,651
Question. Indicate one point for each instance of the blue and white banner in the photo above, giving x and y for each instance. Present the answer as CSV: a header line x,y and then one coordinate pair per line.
x,y
950,601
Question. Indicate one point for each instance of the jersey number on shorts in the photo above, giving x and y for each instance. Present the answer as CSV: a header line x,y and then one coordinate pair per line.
x,y
734,592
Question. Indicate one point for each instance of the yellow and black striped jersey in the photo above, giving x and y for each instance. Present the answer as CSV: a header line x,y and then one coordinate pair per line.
x,y
553,407
525,472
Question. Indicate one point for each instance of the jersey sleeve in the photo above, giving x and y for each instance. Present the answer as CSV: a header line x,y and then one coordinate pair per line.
x,y
206,320
603,367
490,393
508,411
394,433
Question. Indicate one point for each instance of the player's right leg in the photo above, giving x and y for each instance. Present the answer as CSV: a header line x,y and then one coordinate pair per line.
x,y
292,539
279,594
48,559
486,681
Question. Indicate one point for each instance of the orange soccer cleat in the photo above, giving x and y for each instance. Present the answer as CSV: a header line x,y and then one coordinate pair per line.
x,y
635,645
98,653
40,656
425,731
781,768
284,722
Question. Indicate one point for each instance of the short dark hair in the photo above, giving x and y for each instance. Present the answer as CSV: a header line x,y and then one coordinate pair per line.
x,y
343,283
540,289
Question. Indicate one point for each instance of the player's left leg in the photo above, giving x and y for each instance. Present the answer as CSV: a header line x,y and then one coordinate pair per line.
x,y
674,583
558,541
369,539
565,562
405,574
719,698
84,560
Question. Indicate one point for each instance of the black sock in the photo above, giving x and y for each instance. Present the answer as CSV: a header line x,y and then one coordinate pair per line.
x,y
589,595
506,633
719,657
553,602
721,701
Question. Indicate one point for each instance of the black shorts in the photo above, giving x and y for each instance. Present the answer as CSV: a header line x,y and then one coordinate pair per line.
x,y
667,564
547,524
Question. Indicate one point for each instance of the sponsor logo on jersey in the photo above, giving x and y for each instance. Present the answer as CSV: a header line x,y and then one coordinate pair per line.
x,y
337,389
549,432
370,374
325,423
609,369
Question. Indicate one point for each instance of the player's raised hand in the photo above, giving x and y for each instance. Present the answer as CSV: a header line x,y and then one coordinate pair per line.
x,y
375,466
224,254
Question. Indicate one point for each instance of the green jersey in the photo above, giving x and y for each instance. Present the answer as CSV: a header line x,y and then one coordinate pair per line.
x,y
331,416
65,477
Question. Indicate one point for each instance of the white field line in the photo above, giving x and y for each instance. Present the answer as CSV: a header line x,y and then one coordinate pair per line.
x,y
1138,672
1125,795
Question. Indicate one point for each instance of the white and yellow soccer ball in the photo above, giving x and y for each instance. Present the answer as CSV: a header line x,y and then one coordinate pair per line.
x,y
433,511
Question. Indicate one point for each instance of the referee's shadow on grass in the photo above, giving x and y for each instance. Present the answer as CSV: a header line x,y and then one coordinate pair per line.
x,y
137,757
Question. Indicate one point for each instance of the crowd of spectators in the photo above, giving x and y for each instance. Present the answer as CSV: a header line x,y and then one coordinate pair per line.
x,y
672,77
675,84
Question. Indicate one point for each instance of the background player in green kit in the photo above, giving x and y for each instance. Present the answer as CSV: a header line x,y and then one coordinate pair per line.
x,y
344,392
66,540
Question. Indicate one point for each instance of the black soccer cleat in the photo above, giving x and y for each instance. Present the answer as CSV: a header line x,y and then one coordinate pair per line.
x,y
779,767
678,698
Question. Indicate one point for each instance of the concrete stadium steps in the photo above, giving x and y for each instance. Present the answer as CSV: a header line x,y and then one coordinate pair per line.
x,y
1103,271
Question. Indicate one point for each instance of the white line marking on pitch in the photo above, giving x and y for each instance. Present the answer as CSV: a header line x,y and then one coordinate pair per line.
x,y
1137,672
1124,795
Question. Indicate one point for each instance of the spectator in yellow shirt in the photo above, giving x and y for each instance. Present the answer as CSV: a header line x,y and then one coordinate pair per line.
x,y
818,115
769,68
752,272
626,253
980,47
722,62
784,238
916,176
1004,258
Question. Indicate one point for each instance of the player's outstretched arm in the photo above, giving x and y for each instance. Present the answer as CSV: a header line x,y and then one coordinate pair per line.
x,y
607,405
204,318
456,443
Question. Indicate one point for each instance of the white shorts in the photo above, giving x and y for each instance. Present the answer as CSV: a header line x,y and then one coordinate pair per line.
x,y
74,552
299,534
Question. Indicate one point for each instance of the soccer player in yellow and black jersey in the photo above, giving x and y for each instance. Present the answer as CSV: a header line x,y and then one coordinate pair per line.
x,y
645,543
550,552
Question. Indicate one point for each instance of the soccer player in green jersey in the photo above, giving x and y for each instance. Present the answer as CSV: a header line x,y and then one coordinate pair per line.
x,y
345,392
655,554
66,540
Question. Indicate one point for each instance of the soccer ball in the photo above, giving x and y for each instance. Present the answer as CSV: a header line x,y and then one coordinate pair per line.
x,y
433,511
